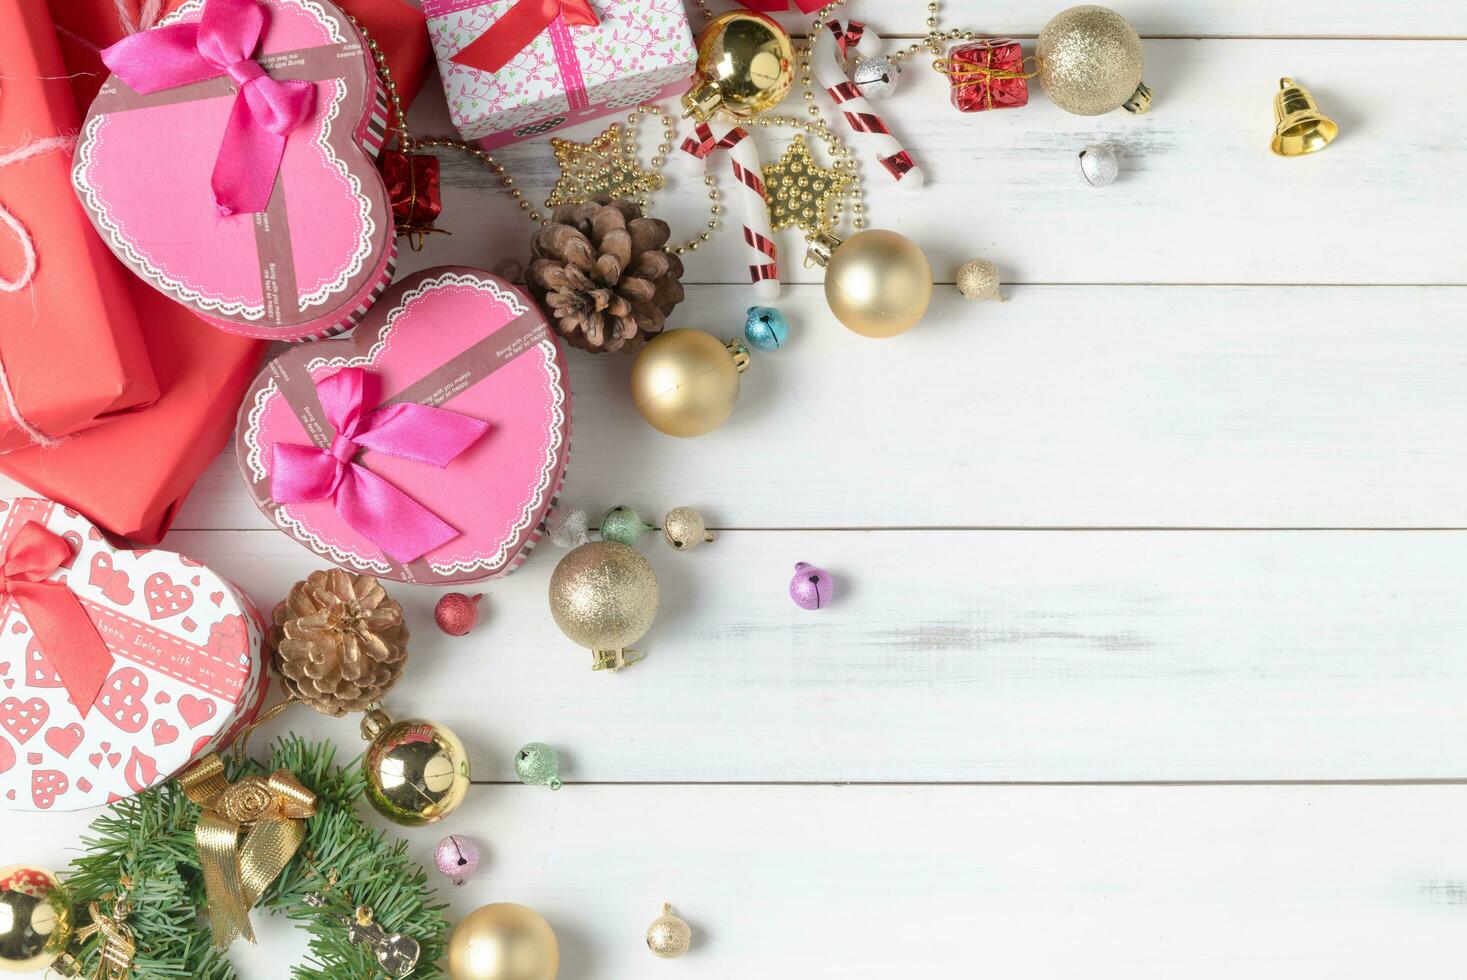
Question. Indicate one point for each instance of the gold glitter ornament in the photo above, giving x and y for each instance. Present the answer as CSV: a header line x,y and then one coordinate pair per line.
x,y
35,919
800,192
1089,62
669,936
604,597
978,279
416,772
684,529
601,166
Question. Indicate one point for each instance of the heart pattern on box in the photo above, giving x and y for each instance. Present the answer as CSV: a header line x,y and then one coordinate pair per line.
x,y
309,264
165,598
165,679
459,328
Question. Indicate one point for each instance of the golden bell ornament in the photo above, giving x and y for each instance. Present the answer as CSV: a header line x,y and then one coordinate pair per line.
x,y
877,282
686,382
503,941
669,936
1300,127
746,65
1089,61
603,596
416,771
35,919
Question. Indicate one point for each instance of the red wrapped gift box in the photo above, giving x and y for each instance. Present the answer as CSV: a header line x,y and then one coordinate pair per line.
x,y
988,74
70,342
131,474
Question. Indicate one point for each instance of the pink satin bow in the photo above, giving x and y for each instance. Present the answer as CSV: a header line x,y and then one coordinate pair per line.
x,y
64,630
265,110
371,506
512,33
775,6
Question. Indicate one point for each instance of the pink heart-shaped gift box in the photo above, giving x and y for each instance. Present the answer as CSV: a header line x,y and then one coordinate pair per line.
x,y
457,339
188,671
313,261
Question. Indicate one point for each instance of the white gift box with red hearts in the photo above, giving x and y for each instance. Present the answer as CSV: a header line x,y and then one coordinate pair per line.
x,y
188,671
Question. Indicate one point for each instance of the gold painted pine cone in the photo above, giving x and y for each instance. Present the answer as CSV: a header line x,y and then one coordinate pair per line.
x,y
600,271
338,643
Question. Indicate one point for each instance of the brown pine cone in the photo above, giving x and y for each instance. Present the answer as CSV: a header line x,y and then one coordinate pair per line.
x,y
599,269
338,642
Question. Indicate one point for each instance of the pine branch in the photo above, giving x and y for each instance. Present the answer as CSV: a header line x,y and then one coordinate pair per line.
x,y
148,840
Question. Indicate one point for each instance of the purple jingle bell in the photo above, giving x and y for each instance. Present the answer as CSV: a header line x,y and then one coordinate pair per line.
x,y
812,587
457,857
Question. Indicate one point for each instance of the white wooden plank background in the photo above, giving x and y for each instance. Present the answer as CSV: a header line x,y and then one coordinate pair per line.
x,y
1188,509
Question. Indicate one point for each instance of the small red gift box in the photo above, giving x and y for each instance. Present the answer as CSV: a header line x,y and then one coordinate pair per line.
x,y
988,74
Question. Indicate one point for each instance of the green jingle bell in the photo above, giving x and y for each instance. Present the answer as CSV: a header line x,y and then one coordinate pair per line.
x,y
622,524
537,764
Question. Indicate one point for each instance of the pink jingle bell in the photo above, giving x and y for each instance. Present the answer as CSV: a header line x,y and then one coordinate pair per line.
x,y
812,587
457,613
457,857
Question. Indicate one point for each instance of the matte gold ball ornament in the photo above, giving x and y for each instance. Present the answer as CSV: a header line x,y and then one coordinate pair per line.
x,y
604,597
1089,61
416,771
746,65
35,919
669,936
503,941
686,382
877,282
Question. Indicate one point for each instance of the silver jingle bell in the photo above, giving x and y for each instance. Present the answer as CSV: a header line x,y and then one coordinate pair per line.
x,y
1099,165
875,78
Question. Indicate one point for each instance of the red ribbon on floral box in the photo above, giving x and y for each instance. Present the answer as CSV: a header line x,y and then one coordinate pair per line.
x,y
512,69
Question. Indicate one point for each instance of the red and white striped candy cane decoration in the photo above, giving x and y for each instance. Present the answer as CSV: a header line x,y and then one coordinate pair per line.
x,y
853,38
744,162
827,60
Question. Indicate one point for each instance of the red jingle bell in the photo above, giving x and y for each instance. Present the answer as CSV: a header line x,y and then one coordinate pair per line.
x,y
457,613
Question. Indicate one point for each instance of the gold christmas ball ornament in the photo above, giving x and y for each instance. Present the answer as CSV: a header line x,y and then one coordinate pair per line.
x,y
686,382
1089,62
746,65
978,279
669,936
877,282
416,771
503,941
604,597
35,919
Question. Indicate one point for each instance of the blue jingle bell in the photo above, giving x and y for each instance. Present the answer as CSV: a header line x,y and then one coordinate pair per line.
x,y
766,327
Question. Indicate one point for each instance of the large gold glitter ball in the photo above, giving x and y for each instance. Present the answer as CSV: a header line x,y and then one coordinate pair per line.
x,y
686,382
604,595
35,919
746,63
669,936
416,771
1089,62
878,283
503,941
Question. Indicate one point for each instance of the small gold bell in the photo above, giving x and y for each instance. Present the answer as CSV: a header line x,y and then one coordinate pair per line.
x,y
1301,128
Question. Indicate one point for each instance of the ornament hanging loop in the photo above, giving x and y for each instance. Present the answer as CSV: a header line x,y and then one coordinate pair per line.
x,y
1140,100
374,722
614,660
818,249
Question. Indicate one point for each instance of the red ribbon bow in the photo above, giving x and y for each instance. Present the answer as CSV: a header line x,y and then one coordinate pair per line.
x,y
63,628
265,110
374,508
521,24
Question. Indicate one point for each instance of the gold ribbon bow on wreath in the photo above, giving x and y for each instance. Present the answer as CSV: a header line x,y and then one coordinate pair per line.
x,y
248,832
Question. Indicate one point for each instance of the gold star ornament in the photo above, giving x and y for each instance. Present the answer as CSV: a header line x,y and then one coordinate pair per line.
x,y
800,192
606,165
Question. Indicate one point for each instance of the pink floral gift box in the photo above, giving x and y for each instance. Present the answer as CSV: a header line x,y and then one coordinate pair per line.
x,y
514,69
